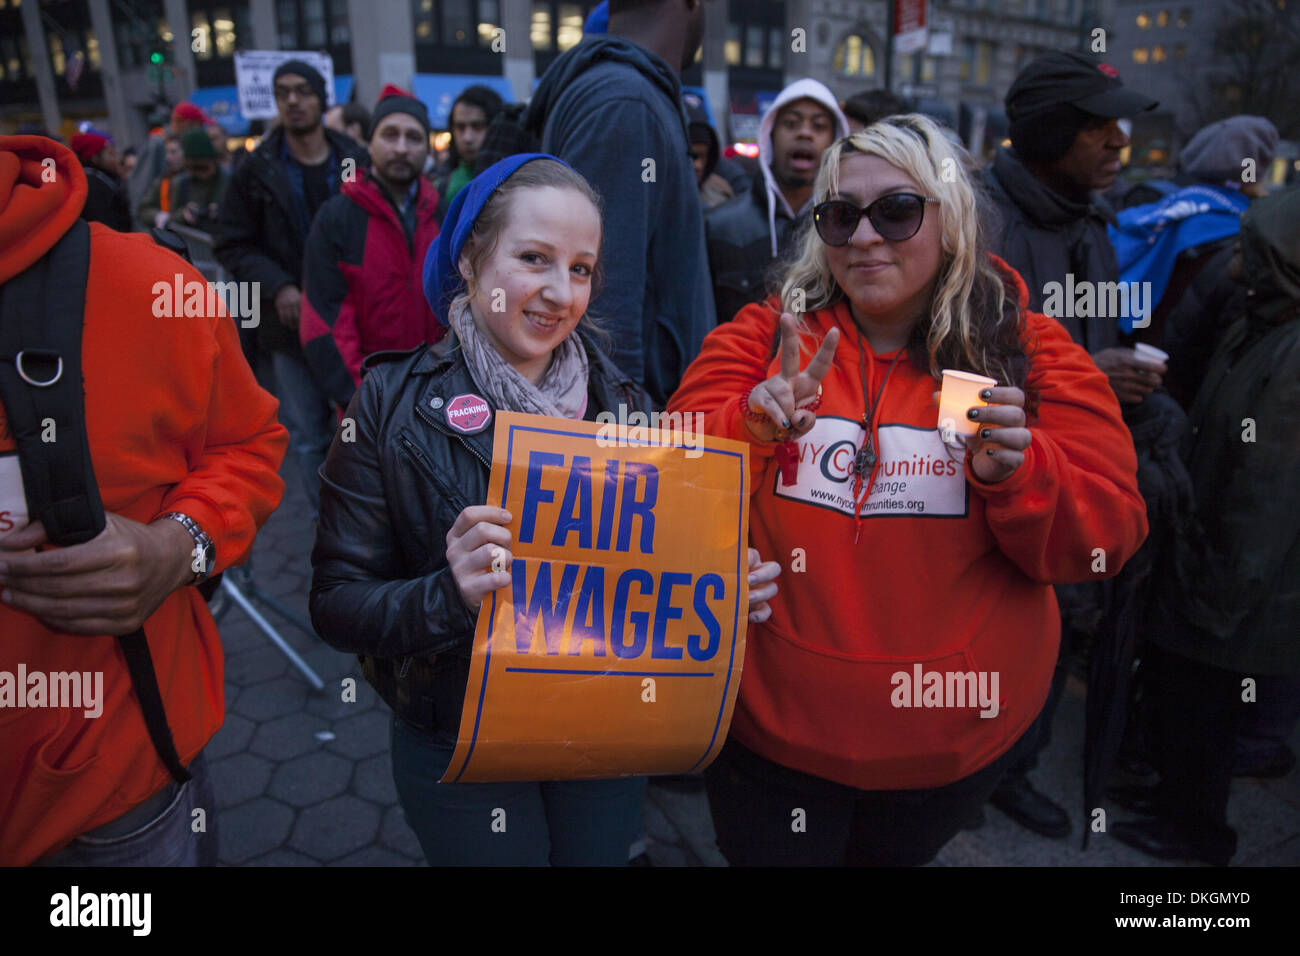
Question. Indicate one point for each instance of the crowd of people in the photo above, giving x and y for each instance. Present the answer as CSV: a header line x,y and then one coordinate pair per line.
x,y
1126,501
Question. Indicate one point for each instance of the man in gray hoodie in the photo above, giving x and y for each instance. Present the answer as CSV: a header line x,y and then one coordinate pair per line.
x,y
611,107
748,234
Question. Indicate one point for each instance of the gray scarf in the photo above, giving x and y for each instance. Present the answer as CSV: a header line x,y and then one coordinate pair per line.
x,y
562,392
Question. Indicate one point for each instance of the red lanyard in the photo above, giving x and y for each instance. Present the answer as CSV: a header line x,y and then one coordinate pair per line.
x,y
864,462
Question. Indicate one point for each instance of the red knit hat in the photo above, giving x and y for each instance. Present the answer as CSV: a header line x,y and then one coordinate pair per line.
x,y
88,145
188,113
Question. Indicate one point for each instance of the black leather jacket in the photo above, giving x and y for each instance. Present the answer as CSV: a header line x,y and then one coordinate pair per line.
x,y
381,587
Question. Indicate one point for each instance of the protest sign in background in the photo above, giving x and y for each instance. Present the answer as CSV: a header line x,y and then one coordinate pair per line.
x,y
254,70
617,649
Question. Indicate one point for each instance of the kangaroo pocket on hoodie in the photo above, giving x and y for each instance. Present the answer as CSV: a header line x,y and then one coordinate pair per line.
x,y
888,723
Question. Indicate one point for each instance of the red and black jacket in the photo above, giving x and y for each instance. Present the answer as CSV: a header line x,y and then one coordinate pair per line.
x,y
362,290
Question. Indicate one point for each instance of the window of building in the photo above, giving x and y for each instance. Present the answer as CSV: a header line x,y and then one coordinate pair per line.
x,y
1162,18
456,23
1158,53
553,28
1180,50
568,31
215,30
754,45
775,47
756,37
731,47
539,33
854,57
58,58
13,66
905,66
975,64
1143,20
92,50
1184,16
1141,54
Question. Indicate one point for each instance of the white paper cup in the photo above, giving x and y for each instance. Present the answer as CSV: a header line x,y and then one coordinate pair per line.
x,y
1150,352
961,391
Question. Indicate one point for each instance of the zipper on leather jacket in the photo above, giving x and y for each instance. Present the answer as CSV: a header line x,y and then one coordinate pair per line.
x,y
474,451
420,459
406,666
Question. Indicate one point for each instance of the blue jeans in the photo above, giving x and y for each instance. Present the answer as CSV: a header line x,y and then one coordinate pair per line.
x,y
304,410
556,823
166,838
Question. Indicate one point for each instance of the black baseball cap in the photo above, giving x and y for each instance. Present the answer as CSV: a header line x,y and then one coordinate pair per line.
x,y
1060,76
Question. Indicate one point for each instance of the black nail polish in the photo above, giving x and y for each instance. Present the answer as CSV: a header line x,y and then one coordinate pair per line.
x,y
989,450
785,423
986,433
986,394
973,413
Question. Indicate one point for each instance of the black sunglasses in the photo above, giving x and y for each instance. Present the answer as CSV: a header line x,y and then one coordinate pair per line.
x,y
896,216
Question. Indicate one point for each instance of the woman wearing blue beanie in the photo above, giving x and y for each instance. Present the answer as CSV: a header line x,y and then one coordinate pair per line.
x,y
405,544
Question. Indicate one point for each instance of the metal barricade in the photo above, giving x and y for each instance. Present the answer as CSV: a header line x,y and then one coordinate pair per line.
x,y
238,585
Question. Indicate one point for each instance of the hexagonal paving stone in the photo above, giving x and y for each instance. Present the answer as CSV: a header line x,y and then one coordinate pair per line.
x,y
362,735
397,835
283,858
252,829
374,780
374,856
335,828
274,698
332,666
255,666
287,737
329,708
238,633
233,737
238,778
310,779
290,583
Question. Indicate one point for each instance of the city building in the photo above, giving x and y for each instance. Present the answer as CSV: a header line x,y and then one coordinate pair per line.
x,y
56,69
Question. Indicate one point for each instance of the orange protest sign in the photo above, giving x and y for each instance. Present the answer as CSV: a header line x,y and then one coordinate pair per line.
x,y
617,648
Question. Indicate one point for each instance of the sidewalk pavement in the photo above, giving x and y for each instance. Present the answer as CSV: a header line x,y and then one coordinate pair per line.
x,y
303,778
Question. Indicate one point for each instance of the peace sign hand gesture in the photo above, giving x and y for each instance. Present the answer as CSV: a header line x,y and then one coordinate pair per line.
x,y
784,397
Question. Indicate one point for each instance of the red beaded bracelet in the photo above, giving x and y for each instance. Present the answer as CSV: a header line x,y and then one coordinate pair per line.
x,y
757,417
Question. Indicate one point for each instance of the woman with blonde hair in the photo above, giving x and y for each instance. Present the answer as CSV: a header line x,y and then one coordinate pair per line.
x,y
916,634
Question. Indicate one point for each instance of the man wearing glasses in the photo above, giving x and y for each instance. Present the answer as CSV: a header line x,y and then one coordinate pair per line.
x,y
261,237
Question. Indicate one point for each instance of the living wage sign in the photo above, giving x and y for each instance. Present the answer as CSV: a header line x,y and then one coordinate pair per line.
x,y
617,647
255,73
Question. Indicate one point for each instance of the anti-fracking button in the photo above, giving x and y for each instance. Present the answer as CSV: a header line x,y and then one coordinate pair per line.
x,y
469,414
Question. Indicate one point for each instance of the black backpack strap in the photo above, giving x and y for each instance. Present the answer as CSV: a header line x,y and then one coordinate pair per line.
x,y
139,663
40,382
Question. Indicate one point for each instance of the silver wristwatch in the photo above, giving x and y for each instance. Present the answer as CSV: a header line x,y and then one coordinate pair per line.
x,y
205,553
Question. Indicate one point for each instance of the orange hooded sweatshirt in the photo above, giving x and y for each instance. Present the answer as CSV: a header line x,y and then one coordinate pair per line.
x,y
918,655
176,422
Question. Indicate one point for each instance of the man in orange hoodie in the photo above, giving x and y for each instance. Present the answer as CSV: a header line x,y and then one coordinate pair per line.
x,y
177,429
